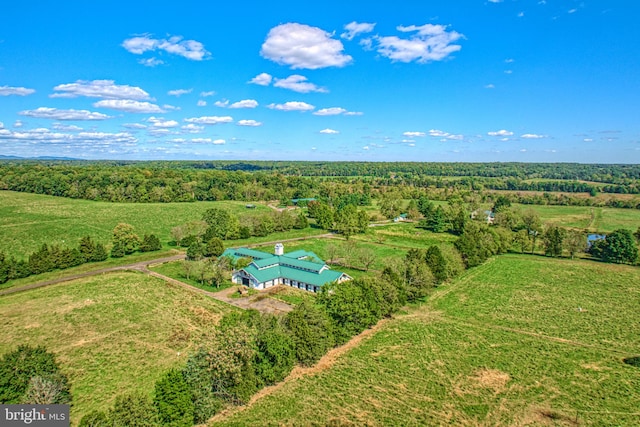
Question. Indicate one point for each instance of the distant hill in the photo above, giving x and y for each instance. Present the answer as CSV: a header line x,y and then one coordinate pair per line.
x,y
2,157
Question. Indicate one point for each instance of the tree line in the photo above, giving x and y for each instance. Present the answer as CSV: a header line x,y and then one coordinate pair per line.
x,y
145,182
54,257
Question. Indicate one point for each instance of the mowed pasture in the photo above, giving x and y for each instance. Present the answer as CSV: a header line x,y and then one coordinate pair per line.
x,y
521,340
592,219
29,220
112,334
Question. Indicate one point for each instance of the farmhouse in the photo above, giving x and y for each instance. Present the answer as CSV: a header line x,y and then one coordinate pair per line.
x,y
299,269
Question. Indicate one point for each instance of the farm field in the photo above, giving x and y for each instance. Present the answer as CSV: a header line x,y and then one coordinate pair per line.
x,y
592,219
520,340
29,220
112,334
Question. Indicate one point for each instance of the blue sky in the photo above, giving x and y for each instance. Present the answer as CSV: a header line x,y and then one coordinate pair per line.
x,y
486,80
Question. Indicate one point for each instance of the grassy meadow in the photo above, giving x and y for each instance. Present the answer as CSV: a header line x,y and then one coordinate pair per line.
x,y
519,341
28,220
112,334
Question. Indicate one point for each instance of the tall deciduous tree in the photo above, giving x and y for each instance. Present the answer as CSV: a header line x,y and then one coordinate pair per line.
x,y
124,235
173,400
620,247
310,329
554,240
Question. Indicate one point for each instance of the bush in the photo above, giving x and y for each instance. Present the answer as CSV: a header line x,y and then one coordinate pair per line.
x,y
32,373
173,400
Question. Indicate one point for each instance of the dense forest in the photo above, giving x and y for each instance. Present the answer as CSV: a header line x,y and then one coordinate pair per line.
x,y
182,181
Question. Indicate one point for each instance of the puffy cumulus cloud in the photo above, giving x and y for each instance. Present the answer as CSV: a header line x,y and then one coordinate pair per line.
x,y
262,79
298,83
202,103
99,89
251,123
162,123
20,91
221,104
209,120
413,134
428,43
245,103
292,106
329,131
501,132
46,136
354,28
175,45
219,141
56,114
532,136
17,124
332,111
303,46
179,92
192,128
129,106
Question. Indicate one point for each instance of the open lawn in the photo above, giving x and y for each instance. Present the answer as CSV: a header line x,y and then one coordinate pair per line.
x,y
112,334
29,220
587,218
519,341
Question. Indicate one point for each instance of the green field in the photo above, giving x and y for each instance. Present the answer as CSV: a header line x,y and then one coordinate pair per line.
x,y
602,220
29,220
112,334
521,340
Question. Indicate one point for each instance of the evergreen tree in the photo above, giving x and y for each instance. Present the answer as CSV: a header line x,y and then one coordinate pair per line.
x,y
436,263
150,243
87,248
100,253
310,329
173,400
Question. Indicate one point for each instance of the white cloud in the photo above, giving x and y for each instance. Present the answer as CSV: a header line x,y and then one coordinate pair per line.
x,y
495,1
202,140
520,15
455,137
245,103
189,49
162,123
366,147
17,124
219,141
438,133
135,126
354,28
210,120
192,128
353,113
56,114
209,93
490,86
333,111
262,79
292,106
508,71
532,136
502,132
302,46
252,123
588,140
509,60
44,135
179,92
1,125
20,91
329,131
66,128
221,104
99,89
202,103
429,43
129,106
413,134
298,83
151,62
572,10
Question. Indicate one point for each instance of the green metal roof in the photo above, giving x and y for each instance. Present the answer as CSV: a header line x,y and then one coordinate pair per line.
x,y
236,253
266,266
272,273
